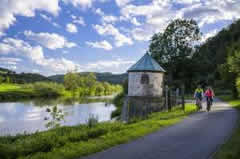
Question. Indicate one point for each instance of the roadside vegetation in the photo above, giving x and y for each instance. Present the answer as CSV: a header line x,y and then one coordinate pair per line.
x,y
82,140
74,86
231,149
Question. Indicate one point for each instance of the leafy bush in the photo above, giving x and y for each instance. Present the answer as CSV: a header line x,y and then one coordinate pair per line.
x,y
118,102
238,85
92,121
45,89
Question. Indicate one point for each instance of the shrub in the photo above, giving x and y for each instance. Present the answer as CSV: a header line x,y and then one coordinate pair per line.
x,y
118,102
92,121
238,85
46,89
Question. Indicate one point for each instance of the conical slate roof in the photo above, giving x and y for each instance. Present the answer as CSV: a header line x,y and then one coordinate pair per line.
x,y
146,63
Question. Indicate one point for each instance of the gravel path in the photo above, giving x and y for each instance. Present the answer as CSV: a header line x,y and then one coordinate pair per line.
x,y
196,137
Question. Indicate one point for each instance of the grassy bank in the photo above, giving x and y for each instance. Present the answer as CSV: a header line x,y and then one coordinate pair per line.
x,y
78,141
231,149
13,92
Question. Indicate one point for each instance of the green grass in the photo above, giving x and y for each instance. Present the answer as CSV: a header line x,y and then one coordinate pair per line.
x,y
231,149
9,87
13,92
79,141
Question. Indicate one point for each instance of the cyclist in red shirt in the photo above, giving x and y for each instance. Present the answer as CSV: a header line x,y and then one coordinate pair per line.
x,y
209,93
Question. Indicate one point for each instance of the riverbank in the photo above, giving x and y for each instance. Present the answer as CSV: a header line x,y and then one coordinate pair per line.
x,y
231,149
16,92
78,141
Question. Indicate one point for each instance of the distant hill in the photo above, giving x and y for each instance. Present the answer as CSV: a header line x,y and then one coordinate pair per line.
x,y
34,77
102,77
6,71
22,77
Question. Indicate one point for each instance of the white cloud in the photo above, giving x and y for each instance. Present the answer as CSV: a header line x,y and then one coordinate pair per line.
x,y
20,48
209,35
109,19
9,61
49,40
135,21
102,44
121,3
109,29
99,12
79,21
140,34
106,18
71,28
157,14
80,3
117,66
9,9
49,19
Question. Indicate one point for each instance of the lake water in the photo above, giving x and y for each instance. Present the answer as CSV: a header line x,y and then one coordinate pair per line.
x,y
30,116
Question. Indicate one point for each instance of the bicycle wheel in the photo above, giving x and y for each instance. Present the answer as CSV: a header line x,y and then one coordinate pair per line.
x,y
208,104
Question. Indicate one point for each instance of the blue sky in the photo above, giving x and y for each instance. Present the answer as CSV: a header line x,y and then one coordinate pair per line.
x,y
57,36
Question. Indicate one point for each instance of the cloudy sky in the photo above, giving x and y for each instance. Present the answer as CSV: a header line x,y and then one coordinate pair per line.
x,y
56,36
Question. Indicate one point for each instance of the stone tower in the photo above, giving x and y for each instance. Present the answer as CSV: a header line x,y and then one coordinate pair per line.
x,y
145,89
145,78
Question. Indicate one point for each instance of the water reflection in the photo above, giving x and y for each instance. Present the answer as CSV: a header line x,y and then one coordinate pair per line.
x,y
28,116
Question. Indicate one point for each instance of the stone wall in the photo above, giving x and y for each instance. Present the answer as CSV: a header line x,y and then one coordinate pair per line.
x,y
141,107
141,86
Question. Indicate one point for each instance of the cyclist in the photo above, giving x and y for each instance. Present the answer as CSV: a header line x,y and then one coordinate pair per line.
x,y
209,93
198,95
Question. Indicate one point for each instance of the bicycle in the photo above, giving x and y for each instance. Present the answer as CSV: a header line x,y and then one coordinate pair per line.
x,y
199,103
209,103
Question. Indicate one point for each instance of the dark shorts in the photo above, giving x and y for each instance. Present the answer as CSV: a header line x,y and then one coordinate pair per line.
x,y
210,98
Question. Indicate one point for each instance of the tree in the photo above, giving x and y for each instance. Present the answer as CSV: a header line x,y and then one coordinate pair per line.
x,y
71,81
174,47
1,79
8,79
99,89
90,79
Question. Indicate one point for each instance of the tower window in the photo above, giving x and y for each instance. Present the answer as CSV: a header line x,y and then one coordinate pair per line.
x,y
145,79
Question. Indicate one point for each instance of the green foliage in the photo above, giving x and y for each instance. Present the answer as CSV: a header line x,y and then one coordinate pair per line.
x,y
21,78
82,140
92,121
101,77
215,57
8,79
11,92
118,102
71,81
173,48
87,85
46,89
233,59
1,79
238,84
57,116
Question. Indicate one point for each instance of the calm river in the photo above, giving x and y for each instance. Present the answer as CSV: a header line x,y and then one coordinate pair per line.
x,y
32,116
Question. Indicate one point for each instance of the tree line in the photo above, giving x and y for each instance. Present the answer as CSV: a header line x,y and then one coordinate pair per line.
x,y
190,61
87,85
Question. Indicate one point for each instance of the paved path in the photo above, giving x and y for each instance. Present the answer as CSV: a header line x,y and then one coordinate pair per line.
x,y
197,137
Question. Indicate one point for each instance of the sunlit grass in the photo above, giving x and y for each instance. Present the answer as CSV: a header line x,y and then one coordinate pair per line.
x,y
78,141
9,87
231,149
